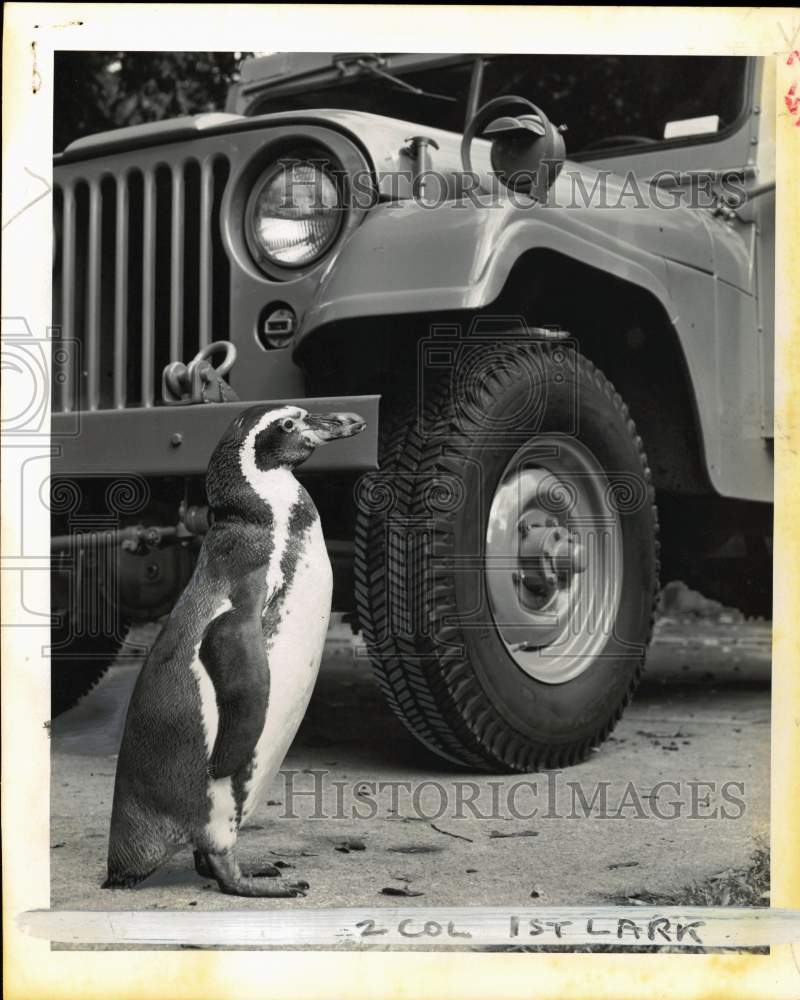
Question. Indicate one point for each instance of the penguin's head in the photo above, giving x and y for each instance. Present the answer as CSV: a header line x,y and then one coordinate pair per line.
x,y
265,438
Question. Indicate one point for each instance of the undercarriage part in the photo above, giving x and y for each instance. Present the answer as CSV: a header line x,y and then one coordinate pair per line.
x,y
88,625
149,582
147,565
193,521
722,548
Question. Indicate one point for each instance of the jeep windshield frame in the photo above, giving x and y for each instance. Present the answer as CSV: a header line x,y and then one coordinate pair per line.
x,y
348,84
344,72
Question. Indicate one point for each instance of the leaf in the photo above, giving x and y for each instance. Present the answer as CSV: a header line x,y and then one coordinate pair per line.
x,y
499,835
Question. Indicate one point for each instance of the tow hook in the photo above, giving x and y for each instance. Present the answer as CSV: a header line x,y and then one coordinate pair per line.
x,y
549,555
200,381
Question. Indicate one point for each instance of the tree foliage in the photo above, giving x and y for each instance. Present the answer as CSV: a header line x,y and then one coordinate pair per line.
x,y
97,91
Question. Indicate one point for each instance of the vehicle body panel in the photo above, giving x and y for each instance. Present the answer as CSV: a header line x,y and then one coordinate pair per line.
x,y
406,258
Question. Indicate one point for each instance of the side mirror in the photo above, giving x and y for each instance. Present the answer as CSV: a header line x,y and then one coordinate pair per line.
x,y
527,150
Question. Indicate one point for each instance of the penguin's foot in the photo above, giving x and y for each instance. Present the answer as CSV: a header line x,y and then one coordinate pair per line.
x,y
224,868
261,871
265,870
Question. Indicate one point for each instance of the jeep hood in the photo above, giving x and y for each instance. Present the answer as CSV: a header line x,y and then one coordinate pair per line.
x,y
687,236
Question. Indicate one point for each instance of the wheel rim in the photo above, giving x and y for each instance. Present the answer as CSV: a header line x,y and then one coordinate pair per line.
x,y
553,563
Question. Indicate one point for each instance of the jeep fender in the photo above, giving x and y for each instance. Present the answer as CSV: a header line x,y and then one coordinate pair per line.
x,y
409,259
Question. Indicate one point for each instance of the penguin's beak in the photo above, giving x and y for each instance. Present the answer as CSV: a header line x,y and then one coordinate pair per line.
x,y
319,428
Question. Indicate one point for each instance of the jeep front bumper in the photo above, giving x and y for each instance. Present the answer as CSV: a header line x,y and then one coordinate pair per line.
x,y
178,440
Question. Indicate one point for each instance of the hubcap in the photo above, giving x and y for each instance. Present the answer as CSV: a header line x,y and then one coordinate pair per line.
x,y
553,558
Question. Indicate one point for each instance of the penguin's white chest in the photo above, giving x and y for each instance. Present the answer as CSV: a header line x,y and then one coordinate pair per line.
x,y
294,653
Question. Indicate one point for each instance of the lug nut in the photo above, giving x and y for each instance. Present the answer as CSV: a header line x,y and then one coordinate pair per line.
x,y
578,558
569,556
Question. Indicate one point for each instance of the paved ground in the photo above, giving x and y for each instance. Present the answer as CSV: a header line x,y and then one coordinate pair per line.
x,y
702,714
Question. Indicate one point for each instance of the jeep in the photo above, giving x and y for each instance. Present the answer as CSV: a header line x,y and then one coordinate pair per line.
x,y
568,381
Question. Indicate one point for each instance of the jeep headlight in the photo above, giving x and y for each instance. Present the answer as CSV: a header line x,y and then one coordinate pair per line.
x,y
294,214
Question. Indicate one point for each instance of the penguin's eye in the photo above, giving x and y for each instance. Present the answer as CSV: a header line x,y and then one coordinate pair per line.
x,y
288,424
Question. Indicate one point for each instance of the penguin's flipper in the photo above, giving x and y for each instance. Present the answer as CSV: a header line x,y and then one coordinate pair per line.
x,y
232,653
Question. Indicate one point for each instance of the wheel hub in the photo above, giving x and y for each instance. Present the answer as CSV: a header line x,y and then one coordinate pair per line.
x,y
553,560
549,556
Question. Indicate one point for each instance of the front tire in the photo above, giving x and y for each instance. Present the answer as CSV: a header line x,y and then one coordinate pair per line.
x,y
88,632
506,560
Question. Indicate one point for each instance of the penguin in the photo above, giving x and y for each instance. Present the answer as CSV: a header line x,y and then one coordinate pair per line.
x,y
227,682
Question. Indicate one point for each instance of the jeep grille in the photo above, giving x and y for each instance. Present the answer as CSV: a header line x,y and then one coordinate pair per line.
x,y
140,275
